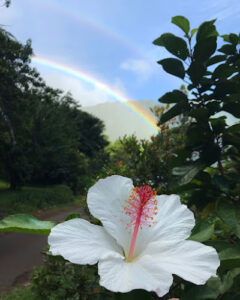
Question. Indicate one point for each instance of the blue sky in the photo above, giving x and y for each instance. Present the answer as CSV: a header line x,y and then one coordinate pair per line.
x,y
110,40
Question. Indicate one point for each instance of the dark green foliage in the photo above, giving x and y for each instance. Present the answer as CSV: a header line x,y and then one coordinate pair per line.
x,y
23,294
206,171
45,137
174,111
173,44
147,161
212,91
230,214
61,280
206,42
173,97
202,232
173,66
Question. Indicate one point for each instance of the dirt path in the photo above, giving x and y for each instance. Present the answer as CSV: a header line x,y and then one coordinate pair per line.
x,y
20,252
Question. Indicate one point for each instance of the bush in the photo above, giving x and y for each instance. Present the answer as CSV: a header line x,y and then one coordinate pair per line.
x,y
24,294
61,280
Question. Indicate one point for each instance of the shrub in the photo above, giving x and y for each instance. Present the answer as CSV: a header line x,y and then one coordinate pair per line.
x,y
61,280
24,294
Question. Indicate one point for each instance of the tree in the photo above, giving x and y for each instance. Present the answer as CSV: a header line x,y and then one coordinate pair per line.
x,y
205,170
17,80
45,137
148,161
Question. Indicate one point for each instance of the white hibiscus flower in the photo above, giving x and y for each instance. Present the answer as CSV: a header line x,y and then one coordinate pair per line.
x,y
142,241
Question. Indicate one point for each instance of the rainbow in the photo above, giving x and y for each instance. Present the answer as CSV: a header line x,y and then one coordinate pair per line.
x,y
100,28
147,117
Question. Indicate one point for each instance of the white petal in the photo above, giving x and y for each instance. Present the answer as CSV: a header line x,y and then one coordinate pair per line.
x,y
190,260
105,200
174,222
82,243
118,275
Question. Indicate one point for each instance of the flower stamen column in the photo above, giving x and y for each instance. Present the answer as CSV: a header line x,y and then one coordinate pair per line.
x,y
141,208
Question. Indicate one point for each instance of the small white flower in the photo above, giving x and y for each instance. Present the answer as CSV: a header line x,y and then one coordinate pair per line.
x,y
142,241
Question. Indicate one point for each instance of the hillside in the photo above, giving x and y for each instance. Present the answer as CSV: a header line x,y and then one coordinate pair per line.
x,y
120,120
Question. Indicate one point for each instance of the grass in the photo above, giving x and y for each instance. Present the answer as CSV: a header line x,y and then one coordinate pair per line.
x,y
4,185
30,199
23,294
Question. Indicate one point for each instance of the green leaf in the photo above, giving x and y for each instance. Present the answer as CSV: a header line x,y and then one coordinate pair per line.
x,y
233,108
184,174
226,38
176,110
173,66
25,223
205,48
218,245
218,124
216,59
213,107
173,97
228,280
211,153
196,71
201,114
234,39
182,23
213,288
202,232
228,49
72,216
173,44
222,183
193,31
135,294
205,292
234,128
231,139
223,71
198,134
230,214
206,30
230,38
206,42
230,257
224,88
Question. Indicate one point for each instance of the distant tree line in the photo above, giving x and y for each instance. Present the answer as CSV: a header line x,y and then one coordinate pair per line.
x,y
44,136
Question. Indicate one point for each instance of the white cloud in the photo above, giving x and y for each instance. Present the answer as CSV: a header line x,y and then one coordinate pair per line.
x,y
119,87
86,94
141,67
222,9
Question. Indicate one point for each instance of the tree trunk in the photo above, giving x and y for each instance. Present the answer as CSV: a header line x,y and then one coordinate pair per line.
x,y
9,126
